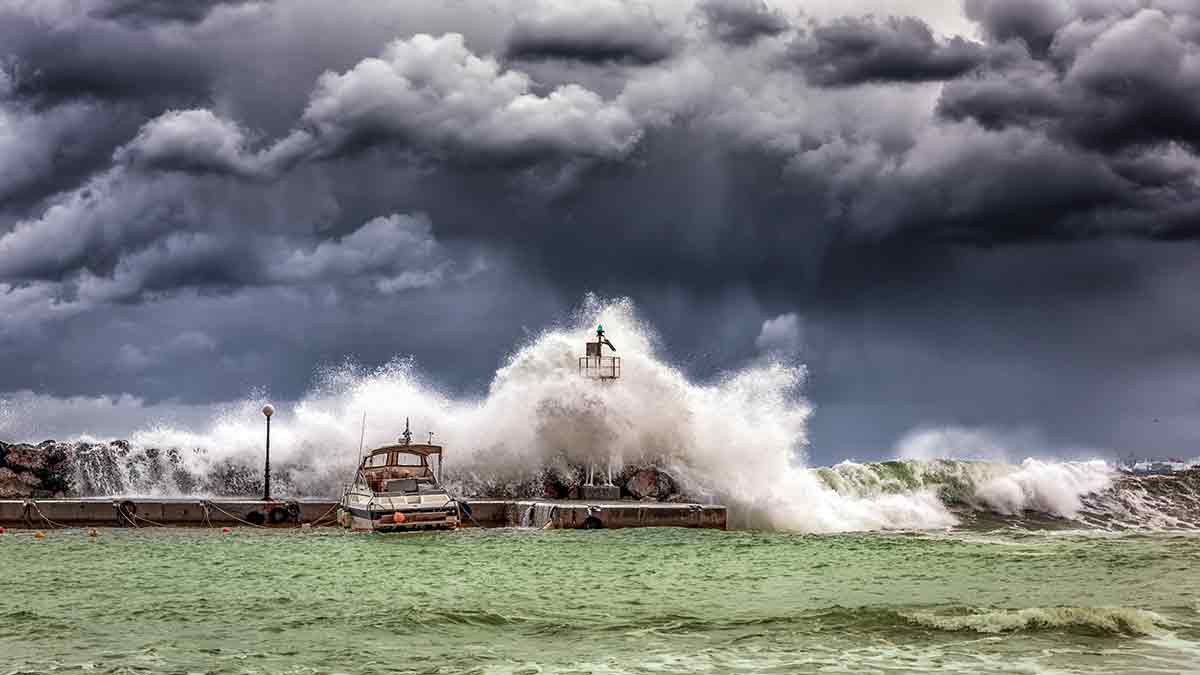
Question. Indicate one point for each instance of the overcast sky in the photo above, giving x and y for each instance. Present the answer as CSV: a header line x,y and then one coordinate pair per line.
x,y
977,214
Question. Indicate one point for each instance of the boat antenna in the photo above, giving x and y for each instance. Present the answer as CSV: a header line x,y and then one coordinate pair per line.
x,y
362,435
407,436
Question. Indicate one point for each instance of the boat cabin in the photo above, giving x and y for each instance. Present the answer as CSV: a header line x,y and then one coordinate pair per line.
x,y
402,468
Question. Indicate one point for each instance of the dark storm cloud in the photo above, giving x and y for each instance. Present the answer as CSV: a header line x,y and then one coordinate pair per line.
x,y
47,151
468,118
1122,80
433,92
49,62
741,22
432,95
190,141
1034,22
299,182
592,31
854,51
144,12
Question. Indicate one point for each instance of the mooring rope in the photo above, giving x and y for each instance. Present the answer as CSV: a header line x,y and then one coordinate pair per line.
x,y
207,521
156,524
33,502
459,502
296,526
132,518
246,522
125,516
322,517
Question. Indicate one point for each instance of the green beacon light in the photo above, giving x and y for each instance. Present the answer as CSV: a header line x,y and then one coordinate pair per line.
x,y
595,364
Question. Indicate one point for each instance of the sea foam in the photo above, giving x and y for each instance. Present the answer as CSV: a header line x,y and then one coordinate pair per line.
x,y
740,439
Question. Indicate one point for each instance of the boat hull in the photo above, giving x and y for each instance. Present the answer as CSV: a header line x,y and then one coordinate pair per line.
x,y
398,519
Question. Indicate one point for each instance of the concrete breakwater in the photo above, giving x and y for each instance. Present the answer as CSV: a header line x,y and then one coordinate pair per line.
x,y
53,469
192,512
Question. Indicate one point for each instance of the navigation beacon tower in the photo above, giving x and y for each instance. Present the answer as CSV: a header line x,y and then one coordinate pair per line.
x,y
605,369
596,365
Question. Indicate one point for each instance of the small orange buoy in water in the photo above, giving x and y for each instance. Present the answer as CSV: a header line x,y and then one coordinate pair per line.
x,y
225,530
39,535
398,517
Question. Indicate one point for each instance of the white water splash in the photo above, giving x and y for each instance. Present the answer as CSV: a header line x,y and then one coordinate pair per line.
x,y
1046,487
740,439
1108,620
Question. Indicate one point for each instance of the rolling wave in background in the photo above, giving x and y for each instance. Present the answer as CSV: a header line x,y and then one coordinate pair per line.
x,y
739,440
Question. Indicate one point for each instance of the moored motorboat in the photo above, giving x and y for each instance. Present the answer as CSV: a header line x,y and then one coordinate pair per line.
x,y
396,489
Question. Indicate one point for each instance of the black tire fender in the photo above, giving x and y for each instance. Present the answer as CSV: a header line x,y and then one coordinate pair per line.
x,y
279,515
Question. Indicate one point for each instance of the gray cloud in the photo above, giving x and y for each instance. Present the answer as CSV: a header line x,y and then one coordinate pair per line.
x,y
1124,79
434,92
854,51
59,55
431,94
90,225
939,210
741,22
591,31
1034,22
45,151
395,253
145,12
781,336
191,141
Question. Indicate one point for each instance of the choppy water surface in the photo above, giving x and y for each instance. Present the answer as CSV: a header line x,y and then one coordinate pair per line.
x,y
634,601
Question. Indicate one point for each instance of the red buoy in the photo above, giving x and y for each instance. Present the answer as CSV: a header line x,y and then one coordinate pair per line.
x,y
2,530
225,530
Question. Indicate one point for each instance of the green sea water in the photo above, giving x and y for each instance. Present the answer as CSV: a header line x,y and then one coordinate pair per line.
x,y
633,601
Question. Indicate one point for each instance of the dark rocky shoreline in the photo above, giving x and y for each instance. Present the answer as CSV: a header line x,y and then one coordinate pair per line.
x,y
43,470
80,469
53,469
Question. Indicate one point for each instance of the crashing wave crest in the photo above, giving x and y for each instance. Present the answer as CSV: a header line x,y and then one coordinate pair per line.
x,y
1095,620
740,439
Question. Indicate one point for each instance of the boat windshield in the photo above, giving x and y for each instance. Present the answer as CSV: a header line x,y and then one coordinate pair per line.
x,y
394,459
411,486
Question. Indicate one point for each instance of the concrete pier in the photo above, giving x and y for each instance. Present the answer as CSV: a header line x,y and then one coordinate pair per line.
x,y
594,515
194,512
139,512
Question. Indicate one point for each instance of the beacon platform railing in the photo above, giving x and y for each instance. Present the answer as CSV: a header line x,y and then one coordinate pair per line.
x,y
600,367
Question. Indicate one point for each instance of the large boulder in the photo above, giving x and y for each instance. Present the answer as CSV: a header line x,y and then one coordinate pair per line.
x,y
15,485
42,470
27,456
649,483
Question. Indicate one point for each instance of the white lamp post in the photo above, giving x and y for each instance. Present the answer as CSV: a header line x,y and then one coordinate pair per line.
x,y
267,411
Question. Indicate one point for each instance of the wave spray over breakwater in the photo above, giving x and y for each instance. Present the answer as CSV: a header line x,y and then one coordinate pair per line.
x,y
740,439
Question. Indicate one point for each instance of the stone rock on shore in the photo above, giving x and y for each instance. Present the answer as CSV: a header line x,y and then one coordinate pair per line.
x,y
650,482
43,470
13,484
85,469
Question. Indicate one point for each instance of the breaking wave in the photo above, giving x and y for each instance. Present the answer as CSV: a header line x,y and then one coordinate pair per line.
x,y
1092,620
740,439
